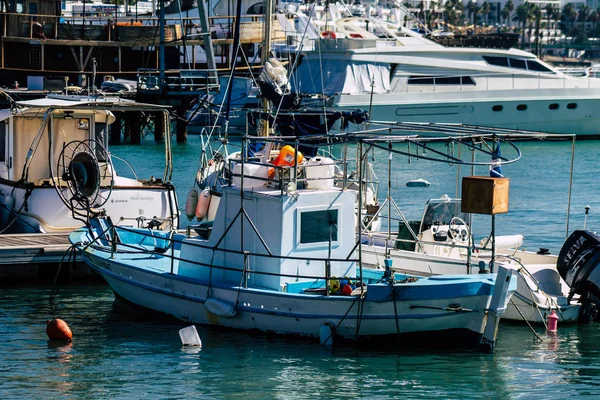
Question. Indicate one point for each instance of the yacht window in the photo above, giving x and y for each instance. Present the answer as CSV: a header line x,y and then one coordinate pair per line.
x,y
3,141
440,80
316,226
516,63
499,61
553,106
572,106
497,108
420,80
522,107
536,66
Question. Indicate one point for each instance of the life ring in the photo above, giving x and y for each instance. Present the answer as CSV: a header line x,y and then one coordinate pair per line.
x,y
203,204
329,35
356,36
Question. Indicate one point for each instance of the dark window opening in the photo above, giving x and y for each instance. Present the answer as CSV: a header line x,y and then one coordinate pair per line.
x,y
440,80
572,106
3,141
553,106
499,61
516,63
318,226
522,107
536,66
497,108
35,58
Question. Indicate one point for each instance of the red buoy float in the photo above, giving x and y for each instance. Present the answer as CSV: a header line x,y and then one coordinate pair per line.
x,y
57,329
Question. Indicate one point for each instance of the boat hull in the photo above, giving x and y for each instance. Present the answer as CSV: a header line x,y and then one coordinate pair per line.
x,y
537,294
527,109
451,305
42,210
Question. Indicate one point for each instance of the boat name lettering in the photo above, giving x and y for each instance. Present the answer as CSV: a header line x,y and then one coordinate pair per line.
x,y
119,201
103,264
142,198
574,248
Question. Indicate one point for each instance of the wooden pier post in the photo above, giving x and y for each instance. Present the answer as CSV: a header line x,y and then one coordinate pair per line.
x,y
115,129
133,126
181,126
159,127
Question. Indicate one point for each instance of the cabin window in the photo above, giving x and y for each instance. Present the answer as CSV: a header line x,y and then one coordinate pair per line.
x,y
35,58
497,108
318,226
256,9
522,107
553,106
536,66
498,61
32,8
517,63
572,106
440,80
3,141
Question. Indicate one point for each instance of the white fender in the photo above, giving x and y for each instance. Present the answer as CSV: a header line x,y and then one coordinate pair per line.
x,y
191,204
219,307
203,204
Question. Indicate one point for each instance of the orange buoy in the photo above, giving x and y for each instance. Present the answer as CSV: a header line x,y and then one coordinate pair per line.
x,y
203,204
286,157
57,329
329,35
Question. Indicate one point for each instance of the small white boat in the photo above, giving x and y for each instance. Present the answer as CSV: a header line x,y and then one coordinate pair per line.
x,y
54,166
281,257
441,243
418,183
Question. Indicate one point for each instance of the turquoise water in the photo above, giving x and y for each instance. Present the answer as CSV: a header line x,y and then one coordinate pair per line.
x,y
121,353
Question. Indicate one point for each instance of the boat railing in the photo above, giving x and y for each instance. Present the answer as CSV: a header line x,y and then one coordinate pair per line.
x,y
114,157
122,239
191,82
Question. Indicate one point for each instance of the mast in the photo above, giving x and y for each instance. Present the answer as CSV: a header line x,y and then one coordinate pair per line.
x,y
161,51
265,55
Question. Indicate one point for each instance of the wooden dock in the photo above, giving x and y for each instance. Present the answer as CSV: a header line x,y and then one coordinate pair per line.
x,y
35,258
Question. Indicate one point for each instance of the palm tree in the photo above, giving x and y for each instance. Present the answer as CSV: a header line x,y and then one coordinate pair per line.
x,y
549,12
594,17
507,10
471,8
569,16
485,10
521,16
451,9
536,13
582,16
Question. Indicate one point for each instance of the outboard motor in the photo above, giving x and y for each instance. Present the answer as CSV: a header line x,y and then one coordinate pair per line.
x,y
579,265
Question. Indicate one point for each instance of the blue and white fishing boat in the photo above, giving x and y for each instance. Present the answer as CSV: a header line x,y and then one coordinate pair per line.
x,y
282,256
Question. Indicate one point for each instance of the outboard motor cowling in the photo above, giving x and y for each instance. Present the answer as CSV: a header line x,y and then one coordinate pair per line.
x,y
579,265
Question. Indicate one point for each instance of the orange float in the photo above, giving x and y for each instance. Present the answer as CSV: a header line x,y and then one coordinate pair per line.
x,y
329,35
286,157
57,329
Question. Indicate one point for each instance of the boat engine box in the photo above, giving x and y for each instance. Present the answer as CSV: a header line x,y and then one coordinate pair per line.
x,y
484,195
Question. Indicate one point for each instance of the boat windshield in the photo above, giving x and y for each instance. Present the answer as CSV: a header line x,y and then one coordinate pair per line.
x,y
440,212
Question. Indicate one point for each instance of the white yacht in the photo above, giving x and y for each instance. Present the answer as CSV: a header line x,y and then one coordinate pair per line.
x,y
397,74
